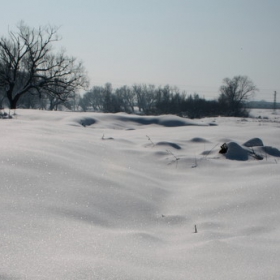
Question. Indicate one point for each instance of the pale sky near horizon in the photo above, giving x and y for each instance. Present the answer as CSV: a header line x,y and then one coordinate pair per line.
x,y
191,44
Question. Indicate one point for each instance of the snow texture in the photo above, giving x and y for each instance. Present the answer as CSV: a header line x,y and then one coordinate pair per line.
x,y
75,206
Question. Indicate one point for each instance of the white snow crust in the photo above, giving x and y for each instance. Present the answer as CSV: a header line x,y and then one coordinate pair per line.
x,y
116,196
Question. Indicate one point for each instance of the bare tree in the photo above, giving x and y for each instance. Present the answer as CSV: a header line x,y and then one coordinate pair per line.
x,y
93,99
74,102
234,93
27,63
126,97
146,97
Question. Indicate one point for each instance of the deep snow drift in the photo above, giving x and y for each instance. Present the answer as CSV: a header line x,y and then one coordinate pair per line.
x,y
103,196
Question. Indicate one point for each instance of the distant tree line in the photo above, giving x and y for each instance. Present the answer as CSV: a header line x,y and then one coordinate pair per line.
x,y
149,100
152,100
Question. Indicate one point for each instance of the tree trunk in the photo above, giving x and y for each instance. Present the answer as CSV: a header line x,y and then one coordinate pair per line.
x,y
13,102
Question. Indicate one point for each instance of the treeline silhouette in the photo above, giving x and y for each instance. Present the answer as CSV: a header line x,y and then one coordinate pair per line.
x,y
151,100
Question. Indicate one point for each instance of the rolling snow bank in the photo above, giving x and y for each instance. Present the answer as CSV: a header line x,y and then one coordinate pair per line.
x,y
253,148
104,196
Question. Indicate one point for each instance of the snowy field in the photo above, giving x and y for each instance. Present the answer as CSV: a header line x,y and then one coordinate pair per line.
x,y
104,196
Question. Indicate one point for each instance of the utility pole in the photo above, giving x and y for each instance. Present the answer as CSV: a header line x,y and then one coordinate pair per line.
x,y
274,103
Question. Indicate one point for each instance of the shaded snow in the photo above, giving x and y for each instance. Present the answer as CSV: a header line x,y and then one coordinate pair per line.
x,y
253,142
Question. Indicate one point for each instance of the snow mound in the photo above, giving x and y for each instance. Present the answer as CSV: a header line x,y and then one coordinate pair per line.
x,y
169,144
253,148
199,140
271,151
254,142
236,152
163,120
121,121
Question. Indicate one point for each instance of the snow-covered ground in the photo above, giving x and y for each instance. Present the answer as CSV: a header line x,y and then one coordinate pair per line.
x,y
104,196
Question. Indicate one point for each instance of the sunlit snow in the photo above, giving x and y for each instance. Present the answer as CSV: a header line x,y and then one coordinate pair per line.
x,y
116,196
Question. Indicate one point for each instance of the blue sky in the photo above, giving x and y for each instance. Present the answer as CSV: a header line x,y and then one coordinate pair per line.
x,y
191,44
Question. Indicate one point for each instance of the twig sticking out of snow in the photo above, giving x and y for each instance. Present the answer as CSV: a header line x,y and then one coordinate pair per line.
x,y
153,144
176,158
209,152
195,163
256,156
108,138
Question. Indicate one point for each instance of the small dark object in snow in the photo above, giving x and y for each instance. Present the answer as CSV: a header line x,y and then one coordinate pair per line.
x,y
224,148
108,138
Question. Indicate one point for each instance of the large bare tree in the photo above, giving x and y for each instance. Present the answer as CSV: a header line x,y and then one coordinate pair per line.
x,y
234,93
29,65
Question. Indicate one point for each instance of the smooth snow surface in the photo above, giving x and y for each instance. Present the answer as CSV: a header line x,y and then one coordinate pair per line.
x,y
104,196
